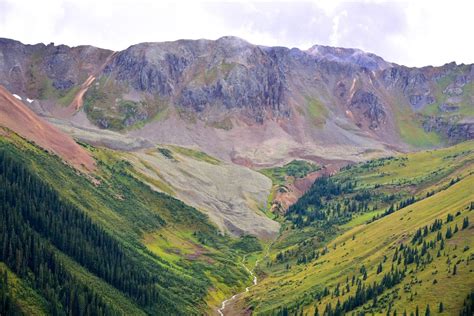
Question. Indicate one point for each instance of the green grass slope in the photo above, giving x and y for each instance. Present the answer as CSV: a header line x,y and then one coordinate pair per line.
x,y
385,236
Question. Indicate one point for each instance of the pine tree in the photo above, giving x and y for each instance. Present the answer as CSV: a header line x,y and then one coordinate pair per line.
x,y
449,218
427,311
379,268
441,307
465,223
37,224
468,306
316,312
449,234
328,310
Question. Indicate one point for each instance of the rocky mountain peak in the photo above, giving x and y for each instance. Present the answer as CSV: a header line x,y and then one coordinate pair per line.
x,y
233,41
349,55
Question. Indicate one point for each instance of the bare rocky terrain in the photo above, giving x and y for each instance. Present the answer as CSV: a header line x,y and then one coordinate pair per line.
x,y
233,196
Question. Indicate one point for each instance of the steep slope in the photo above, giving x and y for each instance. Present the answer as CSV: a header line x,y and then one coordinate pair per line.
x,y
232,196
47,72
16,116
105,245
400,239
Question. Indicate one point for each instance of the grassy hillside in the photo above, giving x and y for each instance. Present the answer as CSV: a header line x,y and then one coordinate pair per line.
x,y
186,265
106,110
391,234
411,131
388,235
295,169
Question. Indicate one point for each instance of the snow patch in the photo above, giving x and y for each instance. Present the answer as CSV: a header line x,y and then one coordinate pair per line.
x,y
29,100
17,96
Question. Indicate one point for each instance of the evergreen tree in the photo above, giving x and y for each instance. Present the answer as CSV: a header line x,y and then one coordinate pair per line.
x,y
316,312
441,307
449,234
379,268
468,306
465,223
427,311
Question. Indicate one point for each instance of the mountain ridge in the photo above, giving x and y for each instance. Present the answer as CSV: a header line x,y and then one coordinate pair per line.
x,y
320,101
237,38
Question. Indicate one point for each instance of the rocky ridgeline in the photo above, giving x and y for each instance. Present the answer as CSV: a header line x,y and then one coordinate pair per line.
x,y
230,76
45,71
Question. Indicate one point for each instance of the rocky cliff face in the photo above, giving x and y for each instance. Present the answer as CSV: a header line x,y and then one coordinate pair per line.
x,y
370,106
325,95
453,129
46,71
197,75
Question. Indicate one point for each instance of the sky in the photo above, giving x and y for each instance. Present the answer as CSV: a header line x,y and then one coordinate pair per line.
x,y
412,33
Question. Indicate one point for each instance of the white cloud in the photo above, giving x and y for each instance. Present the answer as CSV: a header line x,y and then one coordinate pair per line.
x,y
412,33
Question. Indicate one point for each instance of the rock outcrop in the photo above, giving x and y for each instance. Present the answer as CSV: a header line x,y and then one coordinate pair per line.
x,y
454,130
370,106
46,71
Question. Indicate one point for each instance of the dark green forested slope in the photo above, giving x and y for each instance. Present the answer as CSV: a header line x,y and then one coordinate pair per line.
x,y
60,255
36,225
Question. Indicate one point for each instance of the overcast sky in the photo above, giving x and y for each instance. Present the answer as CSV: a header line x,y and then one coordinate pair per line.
x,y
413,33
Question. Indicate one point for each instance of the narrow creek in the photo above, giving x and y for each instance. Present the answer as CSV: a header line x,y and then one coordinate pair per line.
x,y
251,272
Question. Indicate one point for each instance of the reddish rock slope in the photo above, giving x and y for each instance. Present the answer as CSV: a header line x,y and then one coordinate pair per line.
x,y
19,118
